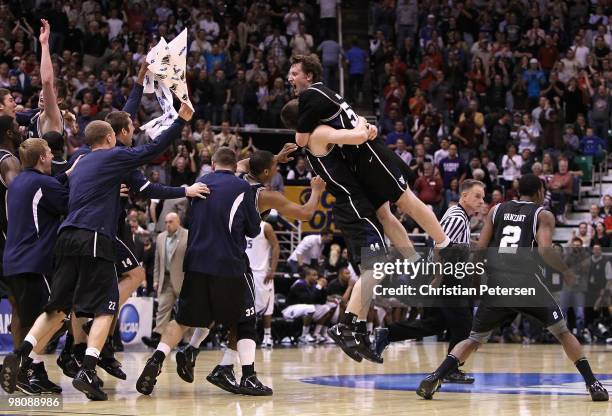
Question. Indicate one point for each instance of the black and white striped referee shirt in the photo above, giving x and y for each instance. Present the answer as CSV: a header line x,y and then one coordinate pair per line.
x,y
456,225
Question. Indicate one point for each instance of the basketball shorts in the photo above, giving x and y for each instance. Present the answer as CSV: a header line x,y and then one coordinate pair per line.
x,y
490,316
86,284
31,292
362,232
126,259
264,294
206,298
298,311
381,173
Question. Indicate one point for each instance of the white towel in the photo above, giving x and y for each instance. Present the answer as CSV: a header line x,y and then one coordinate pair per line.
x,y
166,75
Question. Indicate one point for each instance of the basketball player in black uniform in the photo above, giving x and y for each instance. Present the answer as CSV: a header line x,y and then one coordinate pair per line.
x,y
354,215
511,226
379,170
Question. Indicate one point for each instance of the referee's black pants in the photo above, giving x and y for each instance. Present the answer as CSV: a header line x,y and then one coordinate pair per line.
x,y
456,320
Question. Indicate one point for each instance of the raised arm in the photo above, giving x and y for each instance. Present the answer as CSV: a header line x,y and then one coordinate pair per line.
x,y
133,102
53,117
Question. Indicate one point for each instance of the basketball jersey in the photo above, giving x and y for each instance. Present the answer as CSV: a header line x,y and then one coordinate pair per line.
x,y
4,154
258,250
342,118
257,187
35,129
515,226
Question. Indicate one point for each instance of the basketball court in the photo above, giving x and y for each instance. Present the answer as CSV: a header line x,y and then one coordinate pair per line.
x,y
511,379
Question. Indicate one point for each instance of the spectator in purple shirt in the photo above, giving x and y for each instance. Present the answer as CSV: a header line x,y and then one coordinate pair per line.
x,y
452,167
399,133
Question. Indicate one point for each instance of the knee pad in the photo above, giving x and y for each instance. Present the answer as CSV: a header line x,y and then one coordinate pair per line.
x,y
480,337
558,328
246,330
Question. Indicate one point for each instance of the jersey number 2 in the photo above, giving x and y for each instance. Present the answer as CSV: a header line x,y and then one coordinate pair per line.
x,y
509,242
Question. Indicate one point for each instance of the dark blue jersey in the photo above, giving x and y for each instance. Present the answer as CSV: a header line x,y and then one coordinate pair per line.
x,y
219,226
35,204
94,202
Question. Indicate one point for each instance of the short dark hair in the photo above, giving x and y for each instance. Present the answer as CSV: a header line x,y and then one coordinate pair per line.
x,y
469,184
307,270
259,161
61,88
530,185
118,120
310,65
55,140
224,156
289,114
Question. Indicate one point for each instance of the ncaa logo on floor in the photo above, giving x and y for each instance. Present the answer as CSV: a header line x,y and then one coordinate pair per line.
x,y
129,321
562,384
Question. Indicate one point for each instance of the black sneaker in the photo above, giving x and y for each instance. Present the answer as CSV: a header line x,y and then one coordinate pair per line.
x,y
365,348
344,337
40,379
598,392
251,386
459,377
429,386
23,379
87,381
381,340
68,364
109,363
223,377
185,362
11,367
148,377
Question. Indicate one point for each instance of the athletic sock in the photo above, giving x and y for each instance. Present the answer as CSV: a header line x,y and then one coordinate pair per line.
x,y
248,370
370,327
444,243
27,346
305,330
246,351
448,366
198,336
36,358
91,358
162,351
229,357
361,327
583,366
317,330
268,332
349,319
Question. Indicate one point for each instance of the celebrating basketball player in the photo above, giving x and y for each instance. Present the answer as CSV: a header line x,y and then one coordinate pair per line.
x,y
512,226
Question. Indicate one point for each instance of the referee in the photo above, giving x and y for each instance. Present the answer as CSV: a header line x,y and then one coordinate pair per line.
x,y
456,320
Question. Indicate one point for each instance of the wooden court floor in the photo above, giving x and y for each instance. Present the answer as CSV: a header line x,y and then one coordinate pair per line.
x,y
296,374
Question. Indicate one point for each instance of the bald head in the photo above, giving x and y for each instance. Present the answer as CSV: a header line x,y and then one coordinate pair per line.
x,y
173,222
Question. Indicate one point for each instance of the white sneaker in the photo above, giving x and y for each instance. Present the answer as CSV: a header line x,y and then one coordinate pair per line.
x,y
286,341
306,339
320,339
267,343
